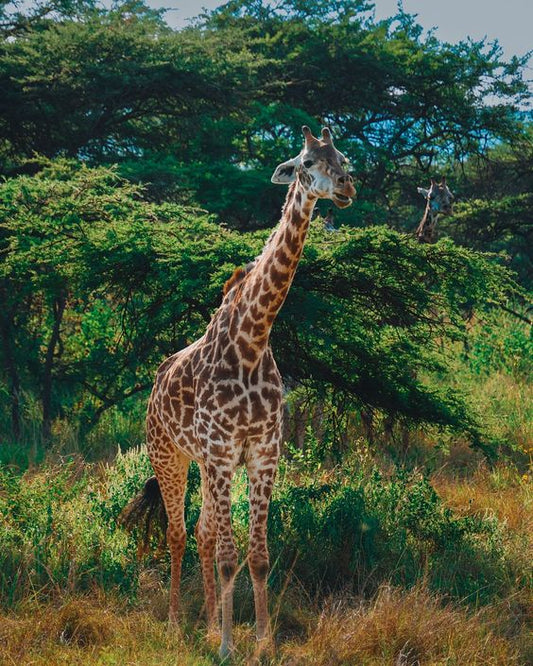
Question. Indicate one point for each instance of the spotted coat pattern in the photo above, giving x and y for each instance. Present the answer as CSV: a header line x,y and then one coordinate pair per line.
x,y
219,402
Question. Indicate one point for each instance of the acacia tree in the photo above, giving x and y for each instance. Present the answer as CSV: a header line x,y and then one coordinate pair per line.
x,y
397,100
496,205
107,85
99,285
211,107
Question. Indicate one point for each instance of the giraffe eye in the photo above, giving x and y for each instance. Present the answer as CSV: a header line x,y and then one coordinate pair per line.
x,y
308,163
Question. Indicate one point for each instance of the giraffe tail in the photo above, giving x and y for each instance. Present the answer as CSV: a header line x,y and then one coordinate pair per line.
x,y
145,516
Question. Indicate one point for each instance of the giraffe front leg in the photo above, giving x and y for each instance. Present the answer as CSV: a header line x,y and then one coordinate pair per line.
x,y
219,479
261,474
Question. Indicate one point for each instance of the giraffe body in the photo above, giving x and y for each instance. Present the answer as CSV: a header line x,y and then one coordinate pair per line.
x,y
219,401
439,201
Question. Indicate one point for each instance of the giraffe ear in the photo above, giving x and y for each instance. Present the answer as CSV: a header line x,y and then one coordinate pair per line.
x,y
285,172
422,191
326,135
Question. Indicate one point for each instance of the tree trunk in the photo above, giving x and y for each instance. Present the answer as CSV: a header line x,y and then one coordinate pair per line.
x,y
46,395
12,374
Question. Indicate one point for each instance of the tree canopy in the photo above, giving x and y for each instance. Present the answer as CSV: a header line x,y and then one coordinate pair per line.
x,y
99,285
134,156
213,106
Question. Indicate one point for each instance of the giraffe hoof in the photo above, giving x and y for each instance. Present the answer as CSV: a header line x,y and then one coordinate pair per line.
x,y
173,627
173,619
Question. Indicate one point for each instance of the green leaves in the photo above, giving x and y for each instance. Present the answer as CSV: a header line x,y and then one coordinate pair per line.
x,y
205,112
59,531
109,85
360,529
98,286
368,314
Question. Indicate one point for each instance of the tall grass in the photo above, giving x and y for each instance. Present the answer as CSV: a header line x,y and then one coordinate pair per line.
x,y
350,528
393,627
398,555
398,627
347,533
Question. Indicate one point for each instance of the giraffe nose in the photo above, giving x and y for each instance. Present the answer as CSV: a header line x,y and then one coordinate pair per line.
x,y
345,185
344,179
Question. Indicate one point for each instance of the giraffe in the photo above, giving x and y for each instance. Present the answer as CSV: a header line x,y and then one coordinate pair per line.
x,y
219,400
439,201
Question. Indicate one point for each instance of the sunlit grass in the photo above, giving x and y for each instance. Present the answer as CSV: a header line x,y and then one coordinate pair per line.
x,y
438,590
500,492
401,627
395,626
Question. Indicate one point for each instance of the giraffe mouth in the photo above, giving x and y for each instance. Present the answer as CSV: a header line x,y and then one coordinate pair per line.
x,y
341,200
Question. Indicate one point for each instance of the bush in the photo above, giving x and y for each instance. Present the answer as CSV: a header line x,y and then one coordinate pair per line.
x,y
358,531
60,532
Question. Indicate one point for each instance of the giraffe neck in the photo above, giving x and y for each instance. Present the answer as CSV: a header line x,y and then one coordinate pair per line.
x,y
426,228
262,293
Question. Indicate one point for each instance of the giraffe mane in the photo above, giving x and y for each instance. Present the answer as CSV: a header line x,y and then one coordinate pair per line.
x,y
288,200
238,276
240,273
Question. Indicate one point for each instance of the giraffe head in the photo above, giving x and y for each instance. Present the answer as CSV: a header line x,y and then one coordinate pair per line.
x,y
438,196
320,169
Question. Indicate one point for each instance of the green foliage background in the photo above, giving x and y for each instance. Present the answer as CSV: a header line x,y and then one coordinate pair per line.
x,y
135,165
99,285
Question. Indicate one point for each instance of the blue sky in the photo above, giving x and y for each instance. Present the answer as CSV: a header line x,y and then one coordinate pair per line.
x,y
509,21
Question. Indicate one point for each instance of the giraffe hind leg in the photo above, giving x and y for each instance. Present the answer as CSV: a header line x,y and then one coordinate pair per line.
x,y
171,466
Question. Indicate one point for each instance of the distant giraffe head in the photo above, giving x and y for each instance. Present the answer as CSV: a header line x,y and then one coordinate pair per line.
x,y
439,201
438,196
320,169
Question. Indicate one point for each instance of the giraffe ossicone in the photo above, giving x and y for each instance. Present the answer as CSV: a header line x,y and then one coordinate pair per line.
x,y
439,201
219,401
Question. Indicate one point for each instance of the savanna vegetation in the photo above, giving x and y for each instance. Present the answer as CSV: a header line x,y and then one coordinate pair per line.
x,y
136,163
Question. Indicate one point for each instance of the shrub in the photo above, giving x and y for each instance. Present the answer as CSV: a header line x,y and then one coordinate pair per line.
x,y
359,531
344,529
55,536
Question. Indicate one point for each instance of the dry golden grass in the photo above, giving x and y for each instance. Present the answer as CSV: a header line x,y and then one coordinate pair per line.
x,y
401,629
396,628
503,493
500,492
90,632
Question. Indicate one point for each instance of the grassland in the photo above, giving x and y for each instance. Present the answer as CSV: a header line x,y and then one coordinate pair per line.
x,y
403,553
